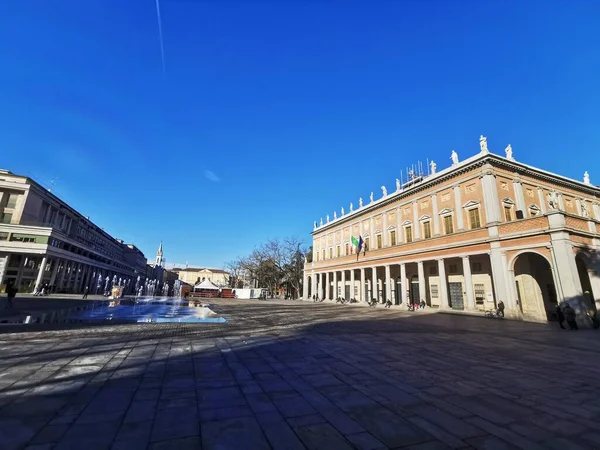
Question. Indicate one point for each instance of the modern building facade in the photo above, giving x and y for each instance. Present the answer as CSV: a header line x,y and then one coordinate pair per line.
x,y
45,241
483,230
193,275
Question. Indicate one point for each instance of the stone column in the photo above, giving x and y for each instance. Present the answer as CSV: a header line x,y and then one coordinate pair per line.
x,y
490,195
460,223
569,284
499,274
63,274
468,282
313,282
403,284
416,227
436,215
422,285
55,265
327,286
542,200
320,285
351,283
335,285
304,285
388,285
344,285
444,300
375,287
40,275
362,284
520,197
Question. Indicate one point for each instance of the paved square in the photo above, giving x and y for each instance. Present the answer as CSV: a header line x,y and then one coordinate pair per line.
x,y
298,375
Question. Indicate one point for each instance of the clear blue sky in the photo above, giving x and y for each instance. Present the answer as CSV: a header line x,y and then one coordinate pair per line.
x,y
297,108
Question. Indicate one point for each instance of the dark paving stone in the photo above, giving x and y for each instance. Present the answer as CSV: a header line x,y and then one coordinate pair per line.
x,y
175,423
389,428
230,412
490,443
191,443
232,433
310,419
458,427
50,434
293,406
504,434
365,441
17,432
320,436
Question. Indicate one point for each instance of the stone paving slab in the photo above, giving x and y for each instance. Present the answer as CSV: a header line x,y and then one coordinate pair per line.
x,y
298,375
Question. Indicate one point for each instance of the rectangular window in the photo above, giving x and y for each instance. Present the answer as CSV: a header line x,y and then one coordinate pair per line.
x,y
12,201
5,218
434,290
448,225
323,257
330,253
379,241
3,236
337,251
427,230
393,237
508,213
479,293
346,249
408,231
366,244
474,218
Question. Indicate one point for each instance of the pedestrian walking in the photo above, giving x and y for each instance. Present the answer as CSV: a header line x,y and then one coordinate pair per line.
x,y
388,304
560,317
570,317
86,291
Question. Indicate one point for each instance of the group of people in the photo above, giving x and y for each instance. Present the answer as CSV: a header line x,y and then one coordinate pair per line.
x,y
566,313
44,289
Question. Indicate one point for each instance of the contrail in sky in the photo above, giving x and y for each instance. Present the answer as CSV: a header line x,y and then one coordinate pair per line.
x,y
160,36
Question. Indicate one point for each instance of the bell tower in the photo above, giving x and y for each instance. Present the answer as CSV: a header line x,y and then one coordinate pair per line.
x,y
159,255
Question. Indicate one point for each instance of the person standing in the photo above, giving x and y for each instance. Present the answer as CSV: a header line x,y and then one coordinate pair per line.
x,y
570,317
86,291
560,316
11,292
500,309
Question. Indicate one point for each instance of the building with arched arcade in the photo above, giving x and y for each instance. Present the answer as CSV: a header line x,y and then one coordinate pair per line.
x,y
486,229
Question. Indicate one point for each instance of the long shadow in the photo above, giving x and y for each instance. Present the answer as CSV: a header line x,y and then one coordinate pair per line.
x,y
316,380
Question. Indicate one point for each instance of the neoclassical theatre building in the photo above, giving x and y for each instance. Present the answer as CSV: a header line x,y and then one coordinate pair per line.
x,y
485,229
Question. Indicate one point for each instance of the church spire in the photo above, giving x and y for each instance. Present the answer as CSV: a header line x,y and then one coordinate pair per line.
x,y
159,255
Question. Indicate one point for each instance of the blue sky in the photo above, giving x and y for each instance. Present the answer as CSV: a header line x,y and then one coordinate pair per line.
x,y
270,115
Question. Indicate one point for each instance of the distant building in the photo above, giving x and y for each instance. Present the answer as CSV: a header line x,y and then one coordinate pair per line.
x,y
193,275
43,240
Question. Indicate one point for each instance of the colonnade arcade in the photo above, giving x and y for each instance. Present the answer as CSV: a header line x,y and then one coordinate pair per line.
x,y
535,286
456,283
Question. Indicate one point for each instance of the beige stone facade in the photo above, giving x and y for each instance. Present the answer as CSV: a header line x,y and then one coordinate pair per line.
x,y
193,275
483,230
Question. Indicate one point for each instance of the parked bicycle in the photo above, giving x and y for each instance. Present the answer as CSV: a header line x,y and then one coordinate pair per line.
x,y
492,314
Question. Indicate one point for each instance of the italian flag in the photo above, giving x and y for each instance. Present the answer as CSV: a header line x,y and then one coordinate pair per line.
x,y
354,244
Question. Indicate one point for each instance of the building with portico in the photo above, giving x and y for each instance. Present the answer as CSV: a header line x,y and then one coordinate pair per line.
x,y
485,229
44,241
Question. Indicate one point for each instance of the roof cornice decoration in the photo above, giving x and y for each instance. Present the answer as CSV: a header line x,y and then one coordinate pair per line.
x,y
484,160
